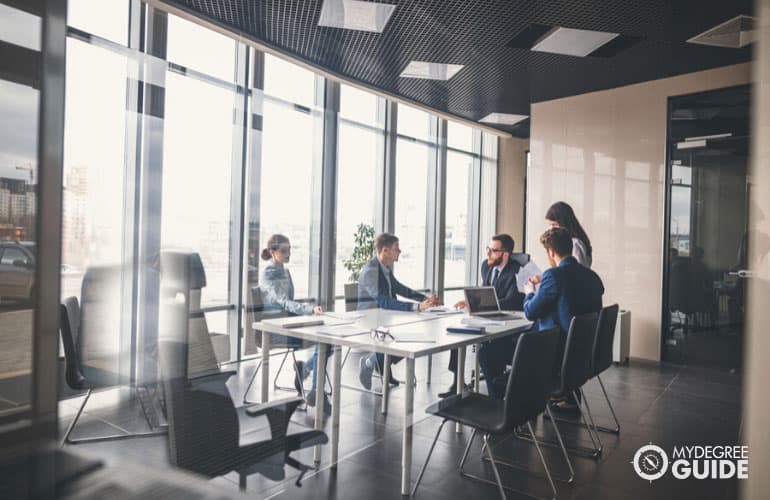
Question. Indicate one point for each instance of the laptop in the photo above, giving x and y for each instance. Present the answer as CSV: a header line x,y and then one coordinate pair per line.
x,y
482,303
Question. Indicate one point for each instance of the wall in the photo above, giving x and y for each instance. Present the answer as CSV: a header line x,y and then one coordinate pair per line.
x,y
757,369
604,153
510,188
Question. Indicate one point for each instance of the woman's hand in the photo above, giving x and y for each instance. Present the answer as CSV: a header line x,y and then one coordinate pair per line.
x,y
317,310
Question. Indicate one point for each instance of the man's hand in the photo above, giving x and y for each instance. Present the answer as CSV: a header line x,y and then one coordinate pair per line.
x,y
318,310
461,305
429,302
531,284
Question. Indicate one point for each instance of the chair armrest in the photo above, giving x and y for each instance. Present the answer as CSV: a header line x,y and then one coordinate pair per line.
x,y
291,404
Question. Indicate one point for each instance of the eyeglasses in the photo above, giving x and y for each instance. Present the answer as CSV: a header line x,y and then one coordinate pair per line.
x,y
381,334
494,250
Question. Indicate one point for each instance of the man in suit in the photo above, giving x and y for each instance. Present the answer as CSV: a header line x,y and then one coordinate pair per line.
x,y
566,290
378,287
499,271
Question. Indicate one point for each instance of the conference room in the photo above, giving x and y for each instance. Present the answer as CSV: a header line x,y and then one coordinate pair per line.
x,y
350,249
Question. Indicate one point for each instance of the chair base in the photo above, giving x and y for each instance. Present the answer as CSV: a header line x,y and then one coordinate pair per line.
x,y
112,437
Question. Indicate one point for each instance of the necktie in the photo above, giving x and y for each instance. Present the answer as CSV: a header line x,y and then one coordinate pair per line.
x,y
494,276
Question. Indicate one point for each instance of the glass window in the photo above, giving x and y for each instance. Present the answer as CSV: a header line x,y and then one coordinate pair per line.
x,y
359,158
359,106
459,136
105,18
19,28
11,255
201,49
415,123
413,161
289,82
459,182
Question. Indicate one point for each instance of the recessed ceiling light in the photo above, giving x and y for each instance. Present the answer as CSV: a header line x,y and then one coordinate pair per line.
x,y
735,33
572,42
503,118
355,15
430,71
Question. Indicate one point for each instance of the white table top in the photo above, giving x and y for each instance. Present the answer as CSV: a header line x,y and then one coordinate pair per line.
x,y
428,331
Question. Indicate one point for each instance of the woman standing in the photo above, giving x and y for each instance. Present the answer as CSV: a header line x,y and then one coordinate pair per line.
x,y
561,214
277,289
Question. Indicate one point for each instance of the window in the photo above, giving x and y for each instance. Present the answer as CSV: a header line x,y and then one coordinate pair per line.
x,y
107,19
201,49
360,158
457,236
11,255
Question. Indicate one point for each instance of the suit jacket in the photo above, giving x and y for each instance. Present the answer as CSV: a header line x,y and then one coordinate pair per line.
x,y
565,291
373,290
507,293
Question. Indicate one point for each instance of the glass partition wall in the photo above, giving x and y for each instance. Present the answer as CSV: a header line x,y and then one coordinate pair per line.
x,y
207,145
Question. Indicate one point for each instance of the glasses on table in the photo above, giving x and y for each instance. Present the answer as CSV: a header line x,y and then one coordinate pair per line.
x,y
381,334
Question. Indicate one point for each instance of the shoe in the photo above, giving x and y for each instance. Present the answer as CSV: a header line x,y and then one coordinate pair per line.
x,y
310,400
449,392
300,374
365,369
565,408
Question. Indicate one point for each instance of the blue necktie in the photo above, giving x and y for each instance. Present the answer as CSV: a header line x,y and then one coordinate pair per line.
x,y
495,273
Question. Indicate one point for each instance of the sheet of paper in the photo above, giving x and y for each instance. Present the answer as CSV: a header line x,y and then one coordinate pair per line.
x,y
525,273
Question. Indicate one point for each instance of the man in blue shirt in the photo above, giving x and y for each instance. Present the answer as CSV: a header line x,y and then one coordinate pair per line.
x,y
378,287
565,290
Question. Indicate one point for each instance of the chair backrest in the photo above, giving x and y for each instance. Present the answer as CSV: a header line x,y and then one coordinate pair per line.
x,y
261,311
351,296
529,381
69,327
521,258
578,352
605,337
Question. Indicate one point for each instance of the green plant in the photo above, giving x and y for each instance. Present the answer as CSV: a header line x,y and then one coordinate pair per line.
x,y
362,251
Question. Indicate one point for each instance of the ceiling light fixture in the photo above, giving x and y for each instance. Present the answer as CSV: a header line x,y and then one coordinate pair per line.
x,y
430,70
355,15
506,119
572,42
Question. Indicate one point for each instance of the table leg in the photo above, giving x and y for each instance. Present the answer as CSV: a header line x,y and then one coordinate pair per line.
x,y
336,383
477,381
385,369
430,367
320,372
406,445
460,379
265,365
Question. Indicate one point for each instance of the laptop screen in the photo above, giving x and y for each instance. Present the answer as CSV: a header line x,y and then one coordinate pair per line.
x,y
481,299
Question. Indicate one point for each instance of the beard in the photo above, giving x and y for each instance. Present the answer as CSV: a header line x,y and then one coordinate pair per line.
x,y
494,262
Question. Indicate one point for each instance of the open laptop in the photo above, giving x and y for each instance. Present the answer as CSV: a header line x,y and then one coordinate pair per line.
x,y
482,303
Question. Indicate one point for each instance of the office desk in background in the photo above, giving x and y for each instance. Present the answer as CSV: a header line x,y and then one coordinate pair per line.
x,y
402,325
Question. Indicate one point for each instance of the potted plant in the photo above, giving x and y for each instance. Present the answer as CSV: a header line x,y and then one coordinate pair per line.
x,y
362,252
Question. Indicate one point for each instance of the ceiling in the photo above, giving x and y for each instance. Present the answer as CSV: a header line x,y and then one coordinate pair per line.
x,y
496,78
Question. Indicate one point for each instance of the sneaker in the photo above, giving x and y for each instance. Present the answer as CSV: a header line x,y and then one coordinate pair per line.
x,y
365,369
449,392
310,400
300,374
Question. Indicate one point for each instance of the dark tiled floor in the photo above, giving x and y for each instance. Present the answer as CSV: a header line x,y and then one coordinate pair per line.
x,y
664,404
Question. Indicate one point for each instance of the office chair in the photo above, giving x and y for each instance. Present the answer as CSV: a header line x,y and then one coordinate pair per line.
x,y
91,354
575,371
526,396
520,258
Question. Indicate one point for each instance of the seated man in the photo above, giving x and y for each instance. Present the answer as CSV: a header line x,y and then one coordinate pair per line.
x,y
566,290
377,287
499,271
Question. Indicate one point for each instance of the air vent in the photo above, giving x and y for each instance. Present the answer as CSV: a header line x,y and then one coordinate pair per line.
x,y
734,34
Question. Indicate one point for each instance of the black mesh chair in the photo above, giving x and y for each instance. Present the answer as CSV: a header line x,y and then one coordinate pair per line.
x,y
575,371
526,396
91,356
520,258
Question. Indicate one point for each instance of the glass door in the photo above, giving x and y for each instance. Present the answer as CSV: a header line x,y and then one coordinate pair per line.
x,y
704,272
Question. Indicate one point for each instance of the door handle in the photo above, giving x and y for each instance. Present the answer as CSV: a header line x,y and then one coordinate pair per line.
x,y
742,273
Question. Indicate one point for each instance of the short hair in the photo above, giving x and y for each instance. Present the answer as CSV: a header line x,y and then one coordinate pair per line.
x,y
384,240
505,240
559,240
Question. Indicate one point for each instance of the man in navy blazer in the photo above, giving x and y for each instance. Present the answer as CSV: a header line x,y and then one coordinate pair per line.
x,y
378,287
498,270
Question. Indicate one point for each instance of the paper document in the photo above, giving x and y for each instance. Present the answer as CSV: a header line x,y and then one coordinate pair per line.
x,y
440,310
351,315
525,273
341,330
477,321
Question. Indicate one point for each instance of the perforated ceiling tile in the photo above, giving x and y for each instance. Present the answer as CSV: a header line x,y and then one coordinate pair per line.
x,y
475,33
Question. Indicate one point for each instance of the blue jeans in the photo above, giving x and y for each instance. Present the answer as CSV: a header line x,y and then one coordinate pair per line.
x,y
313,361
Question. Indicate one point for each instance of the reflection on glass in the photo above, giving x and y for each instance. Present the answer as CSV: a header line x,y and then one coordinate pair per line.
x,y
198,48
358,156
459,169
107,19
289,82
412,163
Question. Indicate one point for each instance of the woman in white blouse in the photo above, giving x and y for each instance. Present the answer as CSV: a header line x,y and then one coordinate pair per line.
x,y
561,214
